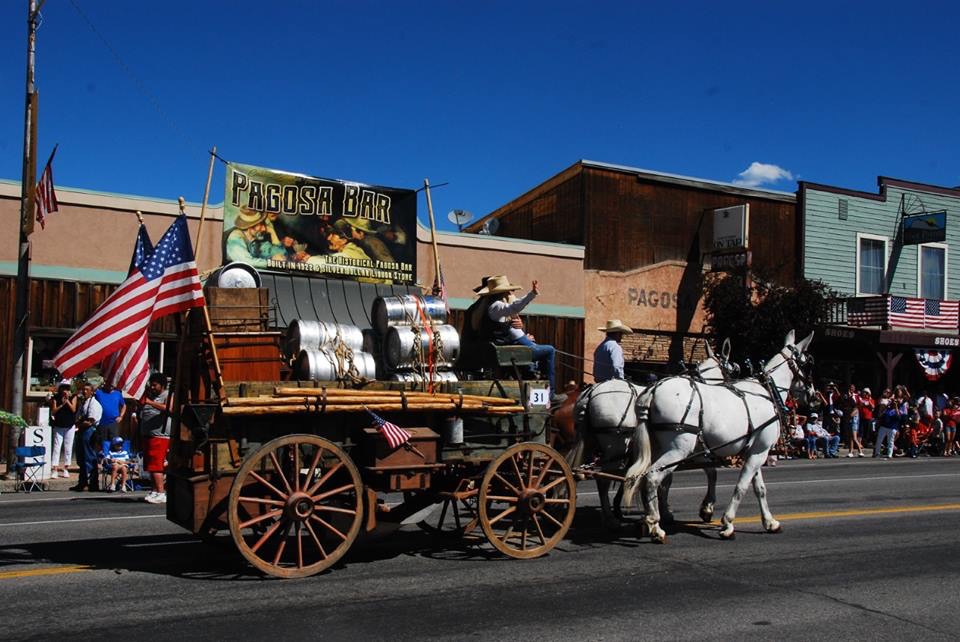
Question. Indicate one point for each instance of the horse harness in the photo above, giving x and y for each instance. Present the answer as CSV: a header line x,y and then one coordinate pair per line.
x,y
772,395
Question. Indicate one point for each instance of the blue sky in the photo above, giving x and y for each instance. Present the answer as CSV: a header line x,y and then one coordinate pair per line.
x,y
491,97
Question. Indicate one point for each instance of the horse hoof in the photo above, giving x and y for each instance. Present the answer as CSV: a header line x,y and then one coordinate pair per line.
x,y
706,518
659,539
776,530
728,536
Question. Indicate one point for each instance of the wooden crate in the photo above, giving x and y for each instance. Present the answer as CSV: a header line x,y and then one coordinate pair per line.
x,y
403,468
252,356
238,309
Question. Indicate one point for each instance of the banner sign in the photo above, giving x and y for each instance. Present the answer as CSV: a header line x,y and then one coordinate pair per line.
x,y
277,220
925,228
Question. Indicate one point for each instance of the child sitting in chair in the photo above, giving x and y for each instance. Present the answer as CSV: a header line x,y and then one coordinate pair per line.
x,y
119,463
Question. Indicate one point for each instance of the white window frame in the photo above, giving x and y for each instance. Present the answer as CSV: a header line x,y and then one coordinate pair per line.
x,y
946,267
886,258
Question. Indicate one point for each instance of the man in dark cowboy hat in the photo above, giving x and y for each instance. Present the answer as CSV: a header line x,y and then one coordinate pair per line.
x,y
498,325
608,357
364,233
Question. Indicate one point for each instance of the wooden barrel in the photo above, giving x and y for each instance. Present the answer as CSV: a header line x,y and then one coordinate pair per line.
x,y
443,376
399,353
321,365
402,310
303,334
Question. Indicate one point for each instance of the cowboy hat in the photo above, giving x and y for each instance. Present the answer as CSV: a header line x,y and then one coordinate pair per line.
x,y
482,288
362,224
615,325
499,285
247,218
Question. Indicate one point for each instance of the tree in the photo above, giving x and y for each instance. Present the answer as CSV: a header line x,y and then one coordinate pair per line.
x,y
756,319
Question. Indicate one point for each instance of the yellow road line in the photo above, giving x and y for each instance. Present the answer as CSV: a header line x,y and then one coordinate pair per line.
x,y
53,570
856,512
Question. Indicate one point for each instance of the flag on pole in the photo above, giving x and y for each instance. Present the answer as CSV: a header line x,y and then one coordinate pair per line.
x,y
46,196
166,283
128,369
394,434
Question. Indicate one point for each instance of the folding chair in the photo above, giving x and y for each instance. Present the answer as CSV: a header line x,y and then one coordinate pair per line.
x,y
29,473
133,466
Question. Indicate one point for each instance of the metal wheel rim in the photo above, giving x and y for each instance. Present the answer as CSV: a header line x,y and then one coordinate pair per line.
x,y
291,524
528,499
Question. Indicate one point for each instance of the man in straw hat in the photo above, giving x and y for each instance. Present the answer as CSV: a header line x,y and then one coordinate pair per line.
x,y
608,357
253,241
499,325
364,234
473,317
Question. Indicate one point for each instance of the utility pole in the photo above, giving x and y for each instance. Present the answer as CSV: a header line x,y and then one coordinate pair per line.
x,y
27,207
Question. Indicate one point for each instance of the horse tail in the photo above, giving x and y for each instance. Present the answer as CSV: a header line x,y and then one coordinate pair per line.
x,y
576,445
641,447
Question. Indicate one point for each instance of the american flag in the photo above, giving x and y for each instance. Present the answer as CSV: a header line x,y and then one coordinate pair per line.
x,y
45,194
941,314
127,369
394,434
906,312
867,311
167,282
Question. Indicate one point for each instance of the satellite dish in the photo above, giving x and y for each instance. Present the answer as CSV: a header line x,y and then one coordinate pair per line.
x,y
490,226
238,275
459,218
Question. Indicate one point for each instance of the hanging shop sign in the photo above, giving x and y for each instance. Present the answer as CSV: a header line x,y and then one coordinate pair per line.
x,y
731,227
277,220
934,363
925,228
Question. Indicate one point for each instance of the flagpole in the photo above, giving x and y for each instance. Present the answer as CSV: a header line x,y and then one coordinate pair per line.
x,y
433,235
27,181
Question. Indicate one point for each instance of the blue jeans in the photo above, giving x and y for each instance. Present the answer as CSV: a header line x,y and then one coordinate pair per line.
x,y
543,355
832,445
87,457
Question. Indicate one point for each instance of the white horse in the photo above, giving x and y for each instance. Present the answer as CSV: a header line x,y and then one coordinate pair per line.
x,y
723,420
608,411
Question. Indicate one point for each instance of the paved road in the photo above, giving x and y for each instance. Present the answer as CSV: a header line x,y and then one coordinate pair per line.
x,y
869,552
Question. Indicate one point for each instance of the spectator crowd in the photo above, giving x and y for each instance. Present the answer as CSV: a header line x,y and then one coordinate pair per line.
x,y
894,424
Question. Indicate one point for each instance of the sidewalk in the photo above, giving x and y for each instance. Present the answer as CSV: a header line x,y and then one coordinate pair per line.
x,y
58,483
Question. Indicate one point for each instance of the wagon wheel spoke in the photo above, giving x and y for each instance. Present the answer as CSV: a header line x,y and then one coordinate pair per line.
x,y
260,500
503,514
510,486
328,526
555,500
296,467
555,482
516,469
548,468
503,498
261,518
329,493
506,535
316,540
267,484
552,519
523,536
530,469
283,478
327,475
263,538
282,545
536,522
334,509
299,531
313,465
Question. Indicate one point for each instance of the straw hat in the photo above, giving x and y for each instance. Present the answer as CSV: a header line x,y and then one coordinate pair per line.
x,y
362,224
482,288
499,285
247,218
615,325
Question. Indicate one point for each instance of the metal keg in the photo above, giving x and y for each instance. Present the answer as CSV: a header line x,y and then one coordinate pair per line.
x,y
442,376
398,349
402,310
321,365
303,334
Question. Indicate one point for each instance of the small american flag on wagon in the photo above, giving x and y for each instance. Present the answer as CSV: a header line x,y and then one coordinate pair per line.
x,y
394,434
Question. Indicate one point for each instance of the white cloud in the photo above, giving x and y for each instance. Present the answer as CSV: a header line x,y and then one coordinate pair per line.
x,y
762,174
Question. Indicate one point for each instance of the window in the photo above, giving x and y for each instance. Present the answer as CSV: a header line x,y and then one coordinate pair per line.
x,y
871,264
932,271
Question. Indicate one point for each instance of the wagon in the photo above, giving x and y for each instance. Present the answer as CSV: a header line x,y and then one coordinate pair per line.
x,y
296,470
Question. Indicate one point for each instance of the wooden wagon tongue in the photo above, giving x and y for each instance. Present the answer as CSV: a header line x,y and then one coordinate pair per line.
x,y
296,400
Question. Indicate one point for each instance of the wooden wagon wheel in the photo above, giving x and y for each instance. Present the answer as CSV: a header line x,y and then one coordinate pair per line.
x,y
295,506
528,498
